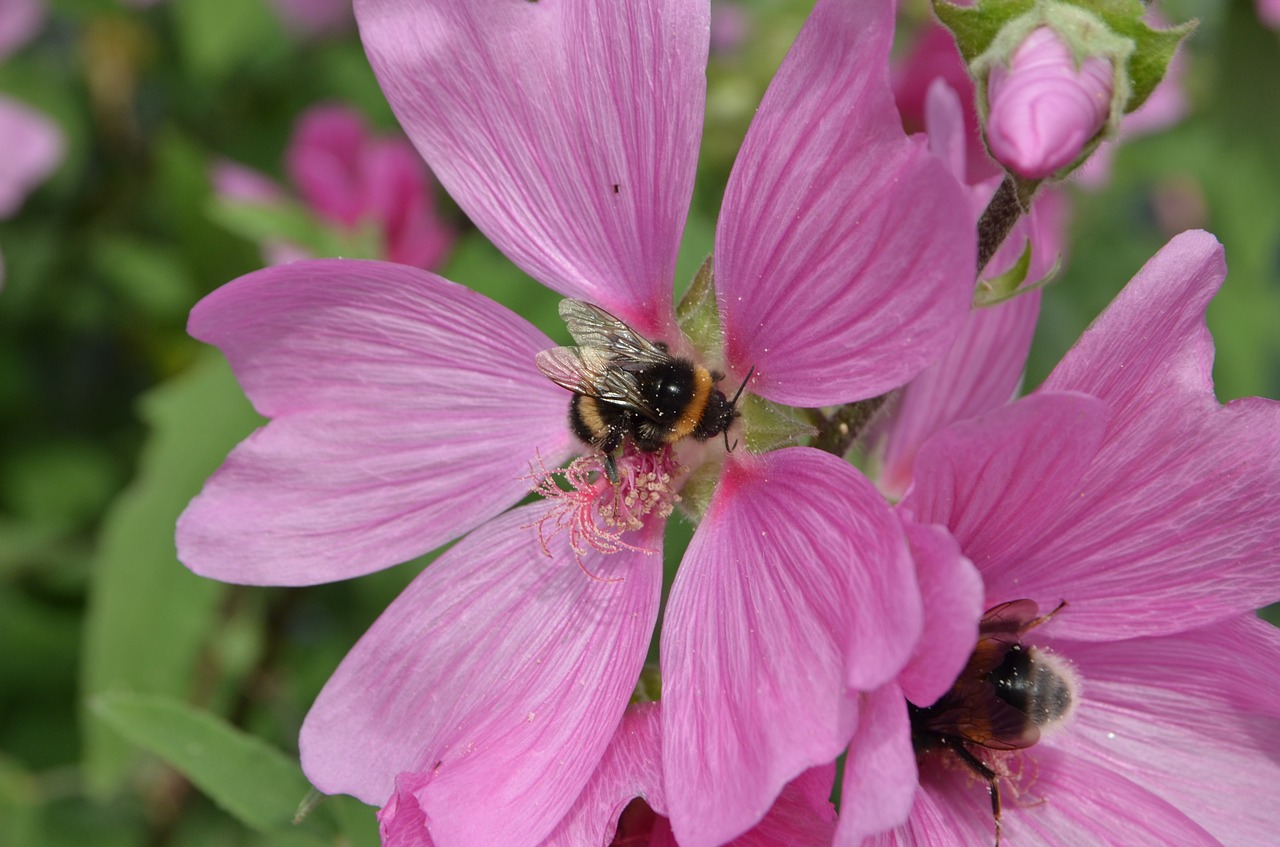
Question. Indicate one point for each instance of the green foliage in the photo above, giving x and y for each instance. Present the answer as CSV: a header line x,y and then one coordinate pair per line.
x,y
125,680
259,785
149,616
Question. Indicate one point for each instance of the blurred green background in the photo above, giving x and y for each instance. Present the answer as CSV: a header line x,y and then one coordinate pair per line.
x,y
123,677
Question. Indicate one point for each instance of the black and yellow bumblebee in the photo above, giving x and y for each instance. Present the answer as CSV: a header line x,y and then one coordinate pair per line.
x,y
626,386
1007,693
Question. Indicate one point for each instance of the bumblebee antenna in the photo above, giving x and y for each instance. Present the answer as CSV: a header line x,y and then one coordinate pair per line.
x,y
741,388
733,404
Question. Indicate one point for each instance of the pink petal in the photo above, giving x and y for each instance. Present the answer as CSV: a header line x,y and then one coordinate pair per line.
x,y
323,161
500,672
568,131
880,777
631,767
406,410
1055,800
1075,803
802,816
1176,523
313,18
998,482
952,594
1194,718
845,252
951,808
796,586
980,372
234,181
401,822
19,22
1269,12
33,149
934,56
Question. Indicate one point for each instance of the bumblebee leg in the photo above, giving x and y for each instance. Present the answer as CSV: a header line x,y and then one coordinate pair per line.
x,y
989,776
608,447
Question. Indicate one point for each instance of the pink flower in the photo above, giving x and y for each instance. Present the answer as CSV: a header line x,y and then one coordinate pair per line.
x,y
351,178
1123,488
1043,108
31,146
624,803
933,55
315,18
1269,12
983,369
32,149
407,411
20,20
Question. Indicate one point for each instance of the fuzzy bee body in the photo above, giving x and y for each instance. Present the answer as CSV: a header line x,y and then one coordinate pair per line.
x,y
1007,693
628,388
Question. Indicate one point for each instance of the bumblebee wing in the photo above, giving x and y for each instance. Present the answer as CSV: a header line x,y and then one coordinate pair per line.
x,y
973,711
593,327
592,372
1008,621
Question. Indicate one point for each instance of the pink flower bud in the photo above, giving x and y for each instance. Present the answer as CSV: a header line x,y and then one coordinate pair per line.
x,y
1042,109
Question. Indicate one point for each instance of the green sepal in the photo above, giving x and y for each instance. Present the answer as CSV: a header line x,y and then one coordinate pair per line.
x,y
997,290
769,426
649,687
698,314
975,27
1153,48
1001,287
698,489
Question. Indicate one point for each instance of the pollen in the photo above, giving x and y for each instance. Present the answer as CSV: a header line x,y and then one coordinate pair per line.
x,y
597,514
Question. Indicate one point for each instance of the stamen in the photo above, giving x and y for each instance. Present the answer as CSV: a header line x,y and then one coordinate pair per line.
x,y
597,513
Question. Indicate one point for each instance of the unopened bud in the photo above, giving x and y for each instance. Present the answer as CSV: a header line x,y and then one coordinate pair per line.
x,y
1043,109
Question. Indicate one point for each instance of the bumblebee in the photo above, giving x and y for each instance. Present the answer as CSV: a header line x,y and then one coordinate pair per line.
x,y
1006,694
627,387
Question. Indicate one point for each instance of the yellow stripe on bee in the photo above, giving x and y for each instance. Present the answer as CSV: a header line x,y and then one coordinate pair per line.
x,y
692,414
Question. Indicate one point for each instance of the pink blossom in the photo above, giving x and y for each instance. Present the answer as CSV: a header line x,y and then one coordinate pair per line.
x,y
20,20
406,412
1043,108
934,55
351,178
1122,487
1269,12
315,18
983,369
624,802
32,149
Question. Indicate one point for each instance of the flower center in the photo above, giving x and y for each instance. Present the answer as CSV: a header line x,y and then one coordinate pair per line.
x,y
597,513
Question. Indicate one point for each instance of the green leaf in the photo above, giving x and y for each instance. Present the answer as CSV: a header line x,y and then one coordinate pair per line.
x,y
217,36
148,615
151,277
257,784
292,223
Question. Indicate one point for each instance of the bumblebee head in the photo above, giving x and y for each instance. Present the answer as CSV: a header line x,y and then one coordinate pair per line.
x,y
721,412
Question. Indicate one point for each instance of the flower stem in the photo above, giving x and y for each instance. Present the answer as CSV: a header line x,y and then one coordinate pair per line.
x,y
837,433
1011,200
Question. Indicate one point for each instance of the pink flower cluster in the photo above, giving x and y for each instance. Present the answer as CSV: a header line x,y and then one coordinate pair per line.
x,y
502,698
